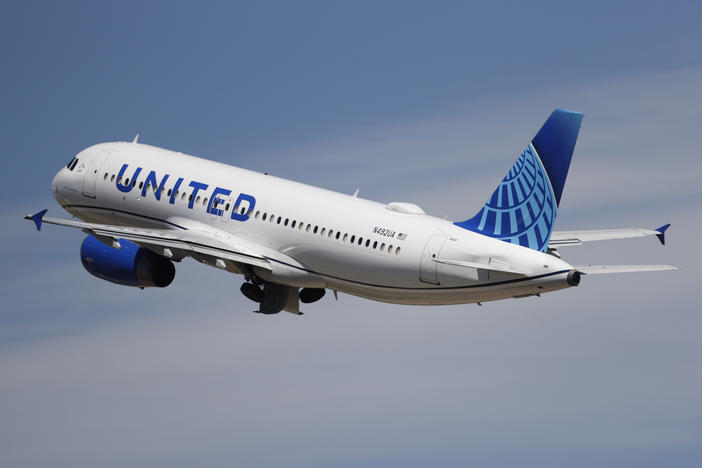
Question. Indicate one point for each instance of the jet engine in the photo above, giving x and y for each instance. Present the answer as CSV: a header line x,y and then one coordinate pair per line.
x,y
130,265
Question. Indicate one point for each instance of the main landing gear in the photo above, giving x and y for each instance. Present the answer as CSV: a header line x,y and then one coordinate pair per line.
x,y
310,295
252,291
274,297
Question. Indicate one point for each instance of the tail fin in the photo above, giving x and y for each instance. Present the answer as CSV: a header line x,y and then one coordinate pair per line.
x,y
523,208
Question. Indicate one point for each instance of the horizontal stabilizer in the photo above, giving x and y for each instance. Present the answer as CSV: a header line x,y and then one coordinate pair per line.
x,y
606,269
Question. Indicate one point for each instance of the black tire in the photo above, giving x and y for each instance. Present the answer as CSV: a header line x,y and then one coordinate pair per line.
x,y
252,292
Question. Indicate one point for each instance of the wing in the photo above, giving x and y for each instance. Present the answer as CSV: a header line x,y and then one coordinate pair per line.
x,y
174,244
605,269
565,238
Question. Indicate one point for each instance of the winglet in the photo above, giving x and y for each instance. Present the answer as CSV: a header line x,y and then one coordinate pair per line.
x,y
37,218
661,233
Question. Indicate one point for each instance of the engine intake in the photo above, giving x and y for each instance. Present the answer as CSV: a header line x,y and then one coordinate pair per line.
x,y
130,265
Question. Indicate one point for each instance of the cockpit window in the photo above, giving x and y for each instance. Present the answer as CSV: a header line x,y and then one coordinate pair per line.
x,y
68,166
73,166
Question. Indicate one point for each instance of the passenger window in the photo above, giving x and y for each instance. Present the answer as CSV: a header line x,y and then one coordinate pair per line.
x,y
112,179
126,181
293,224
353,239
397,251
286,221
141,185
272,218
105,176
182,196
134,183
338,234
315,229
367,242
390,248
382,247
197,200
169,192
330,233
257,213
226,207
375,245
324,230
204,201
309,226
264,216
346,236
279,219
360,240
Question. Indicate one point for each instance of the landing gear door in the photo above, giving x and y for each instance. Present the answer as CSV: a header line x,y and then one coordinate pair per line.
x,y
91,174
428,271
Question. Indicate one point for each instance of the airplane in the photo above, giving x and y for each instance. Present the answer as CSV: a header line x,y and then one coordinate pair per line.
x,y
145,208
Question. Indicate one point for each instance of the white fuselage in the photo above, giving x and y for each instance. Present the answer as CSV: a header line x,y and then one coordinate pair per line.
x,y
392,253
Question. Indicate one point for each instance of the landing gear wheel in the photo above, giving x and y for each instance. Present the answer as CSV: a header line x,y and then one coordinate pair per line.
x,y
252,292
310,295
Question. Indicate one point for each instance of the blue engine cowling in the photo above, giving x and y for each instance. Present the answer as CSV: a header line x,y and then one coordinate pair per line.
x,y
129,265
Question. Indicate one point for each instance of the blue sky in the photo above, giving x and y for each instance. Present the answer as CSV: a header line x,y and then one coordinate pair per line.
x,y
424,102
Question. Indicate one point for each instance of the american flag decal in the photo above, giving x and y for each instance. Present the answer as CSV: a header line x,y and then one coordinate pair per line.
x,y
401,236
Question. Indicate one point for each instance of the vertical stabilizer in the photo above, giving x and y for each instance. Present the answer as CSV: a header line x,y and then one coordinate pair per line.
x,y
523,208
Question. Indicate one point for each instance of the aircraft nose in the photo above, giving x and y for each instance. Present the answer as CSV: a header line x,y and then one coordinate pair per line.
x,y
56,182
61,182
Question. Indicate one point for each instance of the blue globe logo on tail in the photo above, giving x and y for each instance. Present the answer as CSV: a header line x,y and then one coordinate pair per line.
x,y
523,208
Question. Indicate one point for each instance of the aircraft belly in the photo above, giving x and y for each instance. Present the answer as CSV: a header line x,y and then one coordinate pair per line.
x,y
356,267
484,292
